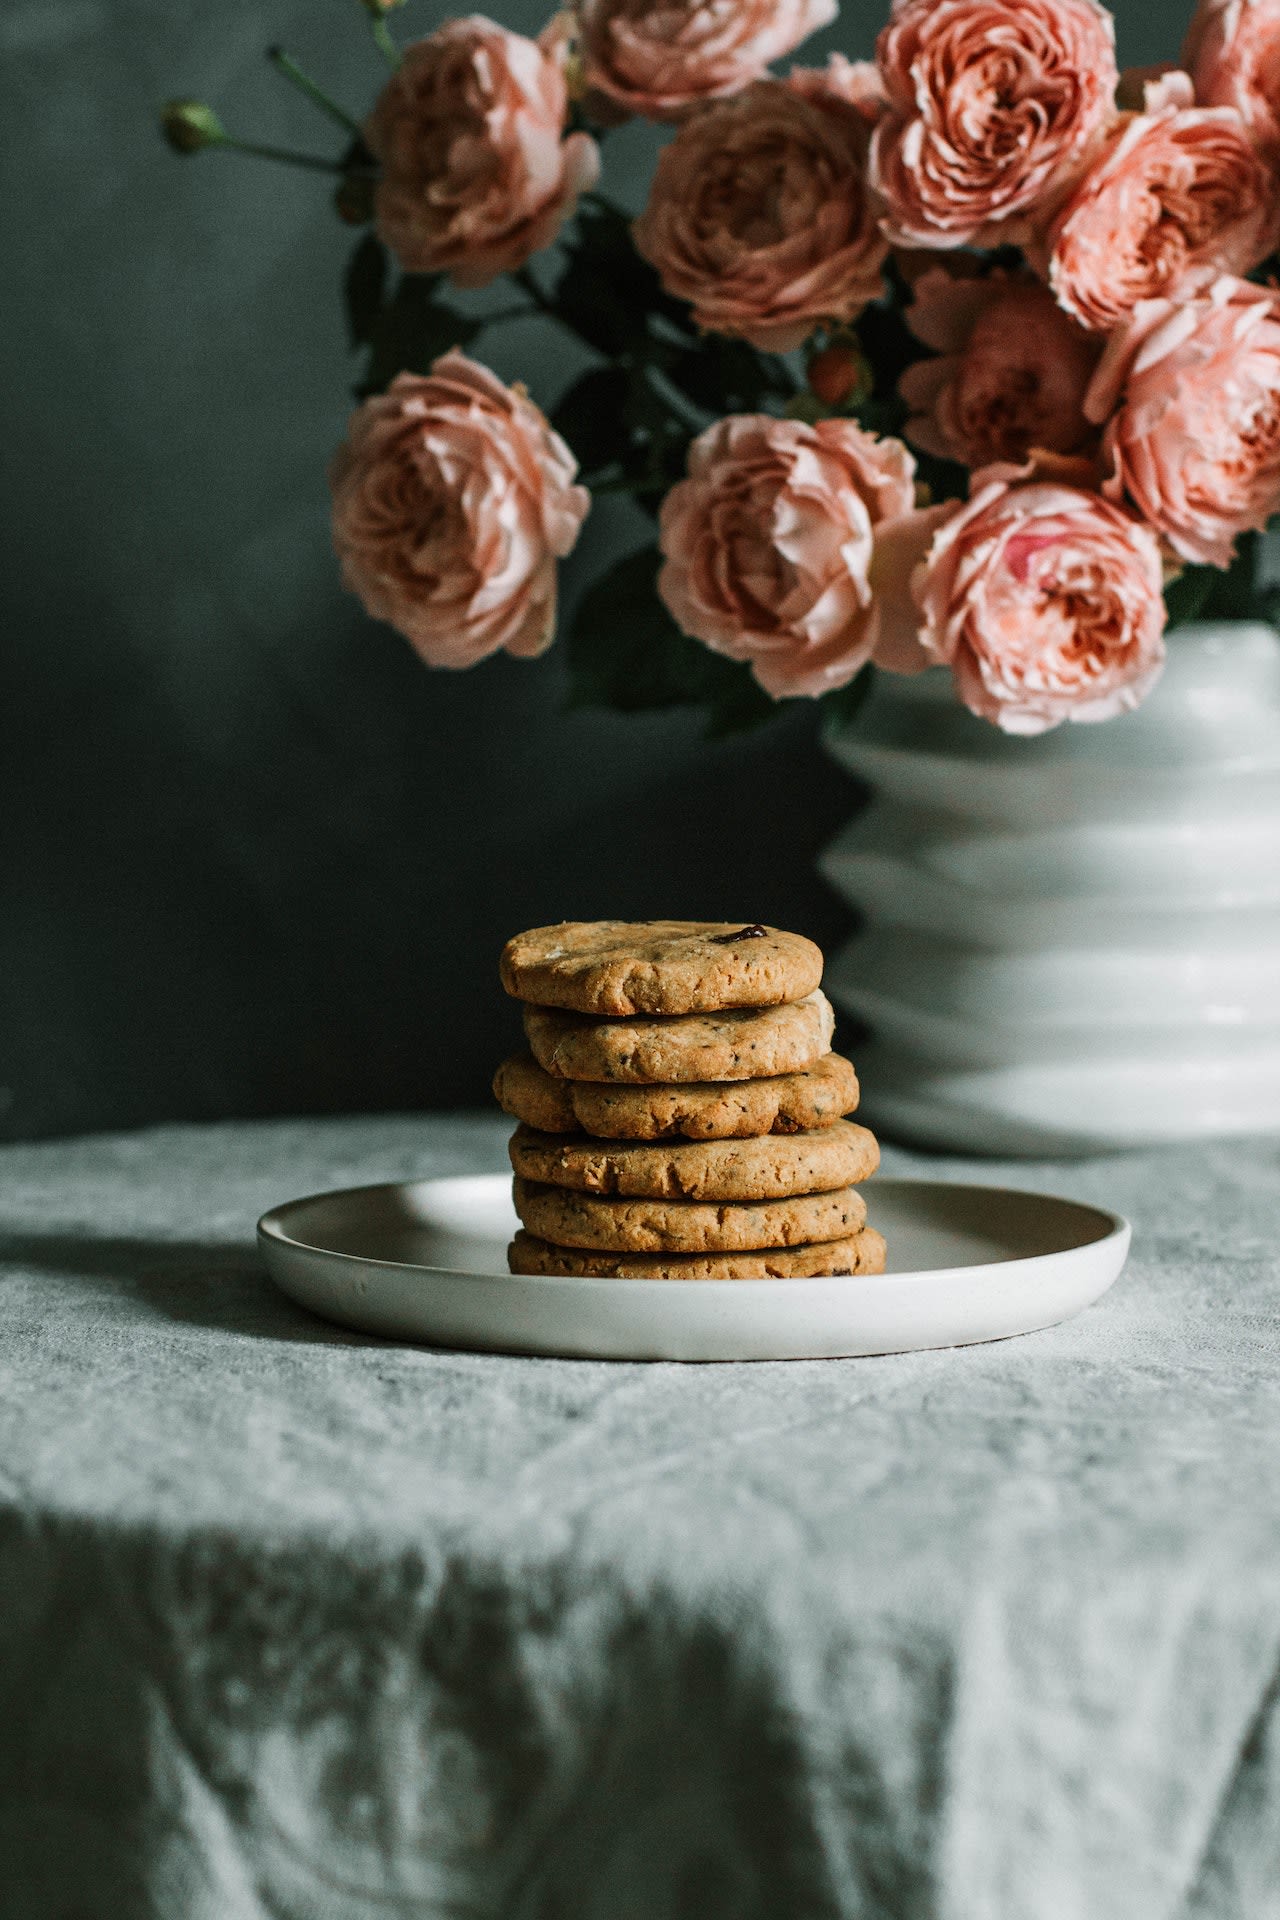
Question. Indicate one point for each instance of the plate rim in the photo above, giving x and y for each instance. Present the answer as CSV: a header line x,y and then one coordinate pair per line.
x,y
1118,1229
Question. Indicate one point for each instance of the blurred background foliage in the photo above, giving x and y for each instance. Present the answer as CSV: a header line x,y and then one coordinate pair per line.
x,y
253,857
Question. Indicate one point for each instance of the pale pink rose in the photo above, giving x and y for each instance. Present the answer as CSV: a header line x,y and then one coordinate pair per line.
x,y
452,502
661,58
1013,373
995,108
1192,391
476,172
1044,600
791,547
1179,196
759,215
1233,55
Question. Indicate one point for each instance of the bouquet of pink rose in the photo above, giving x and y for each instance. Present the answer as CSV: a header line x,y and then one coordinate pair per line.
x,y
968,355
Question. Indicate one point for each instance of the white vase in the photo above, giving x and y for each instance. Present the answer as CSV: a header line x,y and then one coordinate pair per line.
x,y
1070,943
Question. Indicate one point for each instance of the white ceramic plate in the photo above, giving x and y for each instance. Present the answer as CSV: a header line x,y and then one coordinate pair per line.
x,y
427,1261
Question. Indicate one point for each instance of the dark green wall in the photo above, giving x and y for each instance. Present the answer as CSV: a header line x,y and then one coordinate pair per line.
x,y
253,858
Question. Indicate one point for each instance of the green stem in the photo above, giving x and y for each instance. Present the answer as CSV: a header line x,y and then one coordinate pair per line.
x,y
617,485
282,155
542,301
382,40
306,86
607,205
678,404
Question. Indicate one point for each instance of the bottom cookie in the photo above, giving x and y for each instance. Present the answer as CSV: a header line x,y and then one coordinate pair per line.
x,y
858,1253
570,1219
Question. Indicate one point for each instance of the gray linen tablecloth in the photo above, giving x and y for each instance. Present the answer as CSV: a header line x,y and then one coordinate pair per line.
x,y
297,1624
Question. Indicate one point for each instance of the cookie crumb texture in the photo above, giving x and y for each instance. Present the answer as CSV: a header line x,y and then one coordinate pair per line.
x,y
787,1103
570,1219
764,1168
743,1044
859,1253
619,968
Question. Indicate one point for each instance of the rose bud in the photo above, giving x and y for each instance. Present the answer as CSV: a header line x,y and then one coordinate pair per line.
x,y
839,374
189,125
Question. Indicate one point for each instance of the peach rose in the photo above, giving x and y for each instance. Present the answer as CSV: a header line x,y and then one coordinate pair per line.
x,y
1045,602
995,107
1233,55
855,82
452,502
1177,194
1013,374
759,215
1195,442
791,547
475,173
660,58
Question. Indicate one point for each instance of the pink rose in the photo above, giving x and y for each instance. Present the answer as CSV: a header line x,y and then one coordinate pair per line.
x,y
475,173
1150,89
452,502
1195,443
1177,194
791,547
855,82
1233,55
759,215
660,58
1045,602
1013,374
995,107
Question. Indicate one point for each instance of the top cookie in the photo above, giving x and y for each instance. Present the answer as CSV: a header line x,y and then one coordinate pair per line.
x,y
622,967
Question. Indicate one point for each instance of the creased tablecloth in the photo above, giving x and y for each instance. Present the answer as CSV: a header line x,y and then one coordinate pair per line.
x,y
298,1625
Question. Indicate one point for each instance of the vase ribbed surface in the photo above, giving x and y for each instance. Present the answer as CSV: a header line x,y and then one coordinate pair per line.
x,y
1069,943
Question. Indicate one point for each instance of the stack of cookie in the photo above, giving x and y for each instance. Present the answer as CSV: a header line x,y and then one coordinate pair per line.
x,y
681,1112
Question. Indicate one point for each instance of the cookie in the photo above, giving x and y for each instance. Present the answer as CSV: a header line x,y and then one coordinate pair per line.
x,y
816,1096
570,1219
769,1168
741,1044
858,1253
625,967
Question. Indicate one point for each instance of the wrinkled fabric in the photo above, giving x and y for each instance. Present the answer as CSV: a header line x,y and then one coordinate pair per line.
x,y
298,1624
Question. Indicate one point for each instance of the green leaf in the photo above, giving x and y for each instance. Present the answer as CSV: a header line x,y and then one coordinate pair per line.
x,y
592,417
606,293
1235,590
889,345
728,376
1185,597
737,703
363,285
945,479
413,329
1219,593
844,705
626,652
